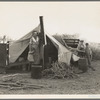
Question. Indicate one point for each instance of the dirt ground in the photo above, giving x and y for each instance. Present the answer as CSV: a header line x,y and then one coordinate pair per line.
x,y
86,83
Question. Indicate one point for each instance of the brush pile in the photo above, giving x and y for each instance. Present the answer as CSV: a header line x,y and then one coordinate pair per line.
x,y
59,70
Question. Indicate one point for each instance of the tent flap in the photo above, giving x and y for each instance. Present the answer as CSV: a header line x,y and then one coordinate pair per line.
x,y
17,48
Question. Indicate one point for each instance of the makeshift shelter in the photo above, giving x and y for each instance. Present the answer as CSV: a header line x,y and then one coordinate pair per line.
x,y
20,47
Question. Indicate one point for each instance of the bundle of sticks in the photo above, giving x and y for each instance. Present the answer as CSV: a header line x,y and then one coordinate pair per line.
x,y
60,70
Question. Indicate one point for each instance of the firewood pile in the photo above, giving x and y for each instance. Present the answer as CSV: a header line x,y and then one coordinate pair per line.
x,y
12,83
17,86
59,70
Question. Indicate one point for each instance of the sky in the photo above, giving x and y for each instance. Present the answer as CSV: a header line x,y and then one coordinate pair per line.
x,y
83,18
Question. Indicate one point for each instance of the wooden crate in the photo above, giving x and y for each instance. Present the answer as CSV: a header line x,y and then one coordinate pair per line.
x,y
3,55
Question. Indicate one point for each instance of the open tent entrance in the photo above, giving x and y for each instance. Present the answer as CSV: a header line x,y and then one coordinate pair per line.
x,y
50,53
24,54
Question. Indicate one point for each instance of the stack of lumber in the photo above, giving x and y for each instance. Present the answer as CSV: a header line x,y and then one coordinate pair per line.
x,y
15,86
59,70
10,82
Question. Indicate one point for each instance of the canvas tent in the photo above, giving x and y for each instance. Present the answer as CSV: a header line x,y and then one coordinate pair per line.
x,y
19,46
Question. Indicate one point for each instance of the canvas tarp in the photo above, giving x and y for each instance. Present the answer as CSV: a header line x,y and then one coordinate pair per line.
x,y
64,55
17,48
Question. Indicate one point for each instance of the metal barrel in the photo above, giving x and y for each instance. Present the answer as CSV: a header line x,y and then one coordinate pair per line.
x,y
36,71
82,64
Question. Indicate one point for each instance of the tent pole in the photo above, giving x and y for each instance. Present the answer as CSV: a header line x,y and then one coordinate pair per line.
x,y
42,35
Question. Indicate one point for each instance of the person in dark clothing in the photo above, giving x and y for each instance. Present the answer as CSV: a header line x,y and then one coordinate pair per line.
x,y
88,52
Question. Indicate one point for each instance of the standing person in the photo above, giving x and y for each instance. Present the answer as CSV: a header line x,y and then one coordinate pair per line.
x,y
34,55
81,48
4,40
88,52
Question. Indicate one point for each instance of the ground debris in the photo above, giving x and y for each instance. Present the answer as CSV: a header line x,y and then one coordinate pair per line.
x,y
16,86
11,77
15,82
27,86
59,70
